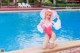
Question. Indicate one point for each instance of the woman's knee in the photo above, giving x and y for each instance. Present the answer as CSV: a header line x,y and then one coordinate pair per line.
x,y
44,47
53,44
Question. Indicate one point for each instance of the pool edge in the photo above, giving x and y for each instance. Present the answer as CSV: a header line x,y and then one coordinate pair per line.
x,y
63,46
39,10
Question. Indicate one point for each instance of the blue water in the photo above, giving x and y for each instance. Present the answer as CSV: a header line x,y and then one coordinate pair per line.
x,y
18,30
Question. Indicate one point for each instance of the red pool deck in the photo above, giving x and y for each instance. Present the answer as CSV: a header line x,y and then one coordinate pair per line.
x,y
20,9
29,9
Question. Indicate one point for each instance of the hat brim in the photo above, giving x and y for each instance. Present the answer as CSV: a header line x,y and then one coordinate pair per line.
x,y
54,13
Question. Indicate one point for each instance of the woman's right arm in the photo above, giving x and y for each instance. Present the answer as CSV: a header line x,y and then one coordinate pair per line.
x,y
39,26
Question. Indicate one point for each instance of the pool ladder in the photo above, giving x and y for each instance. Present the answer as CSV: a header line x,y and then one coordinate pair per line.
x,y
1,50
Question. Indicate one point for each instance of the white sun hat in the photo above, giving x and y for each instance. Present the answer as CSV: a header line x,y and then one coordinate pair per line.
x,y
54,13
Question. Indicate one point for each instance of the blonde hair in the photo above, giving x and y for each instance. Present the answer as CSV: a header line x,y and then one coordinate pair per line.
x,y
48,11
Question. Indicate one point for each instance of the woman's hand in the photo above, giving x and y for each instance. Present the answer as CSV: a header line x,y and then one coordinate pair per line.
x,y
57,16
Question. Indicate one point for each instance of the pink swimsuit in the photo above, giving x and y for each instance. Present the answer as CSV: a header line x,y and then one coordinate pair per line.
x,y
48,30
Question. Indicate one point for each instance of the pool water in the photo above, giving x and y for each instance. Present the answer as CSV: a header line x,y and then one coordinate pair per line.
x,y
18,30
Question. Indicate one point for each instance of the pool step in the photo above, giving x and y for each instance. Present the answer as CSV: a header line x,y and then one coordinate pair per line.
x,y
60,47
71,50
65,46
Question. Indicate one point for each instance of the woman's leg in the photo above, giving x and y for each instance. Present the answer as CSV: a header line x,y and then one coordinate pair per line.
x,y
46,41
52,45
53,41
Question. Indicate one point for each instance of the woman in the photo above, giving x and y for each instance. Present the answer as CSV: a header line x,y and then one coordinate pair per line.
x,y
46,24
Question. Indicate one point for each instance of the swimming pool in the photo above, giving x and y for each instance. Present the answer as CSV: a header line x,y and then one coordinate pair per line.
x,y
18,30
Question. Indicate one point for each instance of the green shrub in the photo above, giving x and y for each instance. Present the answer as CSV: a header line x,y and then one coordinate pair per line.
x,y
48,3
68,5
73,5
37,1
5,1
31,1
5,4
20,1
61,5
